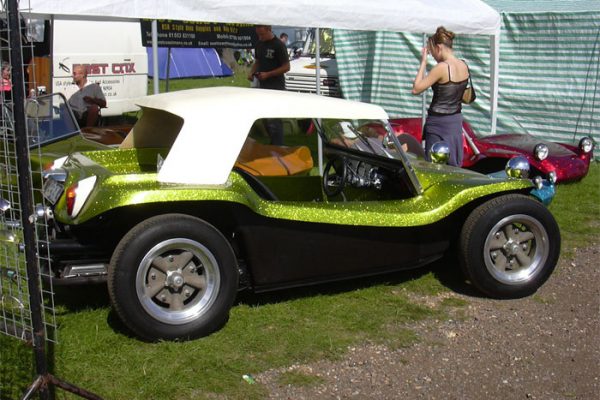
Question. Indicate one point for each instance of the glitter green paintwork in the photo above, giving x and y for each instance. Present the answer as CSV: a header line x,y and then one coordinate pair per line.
x,y
52,151
40,156
126,180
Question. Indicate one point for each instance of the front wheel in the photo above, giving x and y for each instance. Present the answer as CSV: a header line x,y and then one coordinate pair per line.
x,y
509,246
173,277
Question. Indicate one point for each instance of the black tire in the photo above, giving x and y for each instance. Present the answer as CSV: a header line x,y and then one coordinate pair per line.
x,y
509,246
172,277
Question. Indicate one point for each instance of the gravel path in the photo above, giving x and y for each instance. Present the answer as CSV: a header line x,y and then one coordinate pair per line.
x,y
546,346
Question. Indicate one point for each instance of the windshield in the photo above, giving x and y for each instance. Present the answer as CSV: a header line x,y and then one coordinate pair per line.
x,y
374,137
49,118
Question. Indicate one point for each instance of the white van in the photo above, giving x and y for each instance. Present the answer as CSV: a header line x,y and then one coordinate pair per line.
x,y
112,51
302,76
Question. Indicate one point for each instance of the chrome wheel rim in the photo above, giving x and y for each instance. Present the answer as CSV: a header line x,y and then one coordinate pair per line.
x,y
516,249
177,281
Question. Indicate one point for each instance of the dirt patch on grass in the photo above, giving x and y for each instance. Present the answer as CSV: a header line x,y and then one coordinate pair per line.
x,y
546,346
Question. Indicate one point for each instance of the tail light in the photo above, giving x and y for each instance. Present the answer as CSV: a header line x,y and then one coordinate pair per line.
x,y
77,194
70,198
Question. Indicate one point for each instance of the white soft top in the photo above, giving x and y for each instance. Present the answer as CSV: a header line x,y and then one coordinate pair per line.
x,y
207,127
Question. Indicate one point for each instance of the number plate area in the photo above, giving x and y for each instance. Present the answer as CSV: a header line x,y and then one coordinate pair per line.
x,y
52,190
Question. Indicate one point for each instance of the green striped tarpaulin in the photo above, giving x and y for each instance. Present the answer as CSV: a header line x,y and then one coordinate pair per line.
x,y
549,76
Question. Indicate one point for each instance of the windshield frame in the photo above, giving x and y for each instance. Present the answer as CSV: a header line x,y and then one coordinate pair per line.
x,y
389,152
35,120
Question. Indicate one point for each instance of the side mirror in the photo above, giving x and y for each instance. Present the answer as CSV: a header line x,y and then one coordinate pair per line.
x,y
440,153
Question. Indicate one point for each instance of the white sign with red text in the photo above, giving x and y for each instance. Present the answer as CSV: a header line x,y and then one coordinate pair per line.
x,y
112,54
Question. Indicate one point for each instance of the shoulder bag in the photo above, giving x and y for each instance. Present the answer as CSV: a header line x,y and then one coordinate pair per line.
x,y
469,94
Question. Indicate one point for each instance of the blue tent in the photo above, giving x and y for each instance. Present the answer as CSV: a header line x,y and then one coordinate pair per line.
x,y
188,63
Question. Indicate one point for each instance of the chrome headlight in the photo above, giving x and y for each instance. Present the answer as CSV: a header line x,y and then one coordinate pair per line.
x,y
517,167
586,144
552,176
440,153
540,151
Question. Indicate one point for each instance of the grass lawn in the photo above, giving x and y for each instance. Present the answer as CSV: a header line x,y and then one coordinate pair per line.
x,y
577,210
97,353
237,79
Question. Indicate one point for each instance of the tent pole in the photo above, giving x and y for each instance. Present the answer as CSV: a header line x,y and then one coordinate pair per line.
x,y
318,59
318,79
155,55
494,71
424,95
168,69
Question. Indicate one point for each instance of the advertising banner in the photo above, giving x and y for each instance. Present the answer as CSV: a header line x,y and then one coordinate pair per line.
x,y
173,33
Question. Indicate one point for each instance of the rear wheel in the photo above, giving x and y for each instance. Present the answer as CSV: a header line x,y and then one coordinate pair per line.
x,y
173,277
509,246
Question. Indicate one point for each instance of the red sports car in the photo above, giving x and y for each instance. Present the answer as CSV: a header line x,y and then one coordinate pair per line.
x,y
490,153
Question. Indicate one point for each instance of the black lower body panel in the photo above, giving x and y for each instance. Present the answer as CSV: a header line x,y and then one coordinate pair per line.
x,y
285,253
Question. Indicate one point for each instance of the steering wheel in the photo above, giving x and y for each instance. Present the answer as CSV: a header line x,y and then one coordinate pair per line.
x,y
334,176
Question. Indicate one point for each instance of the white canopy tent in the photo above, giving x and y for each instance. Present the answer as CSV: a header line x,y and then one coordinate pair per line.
x,y
417,16
462,16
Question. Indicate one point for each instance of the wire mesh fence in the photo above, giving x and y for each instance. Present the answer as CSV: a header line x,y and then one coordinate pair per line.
x,y
30,121
15,306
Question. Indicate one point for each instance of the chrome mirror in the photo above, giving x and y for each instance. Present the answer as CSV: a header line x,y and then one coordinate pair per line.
x,y
440,153
517,167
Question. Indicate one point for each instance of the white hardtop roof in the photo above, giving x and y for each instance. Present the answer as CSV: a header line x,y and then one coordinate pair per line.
x,y
217,120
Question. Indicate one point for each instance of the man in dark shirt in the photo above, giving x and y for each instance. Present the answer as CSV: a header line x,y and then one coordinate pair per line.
x,y
269,68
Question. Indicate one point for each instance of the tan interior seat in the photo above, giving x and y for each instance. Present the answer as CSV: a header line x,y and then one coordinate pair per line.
x,y
268,160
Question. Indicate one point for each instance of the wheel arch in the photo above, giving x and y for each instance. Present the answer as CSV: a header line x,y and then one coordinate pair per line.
x,y
115,223
463,212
